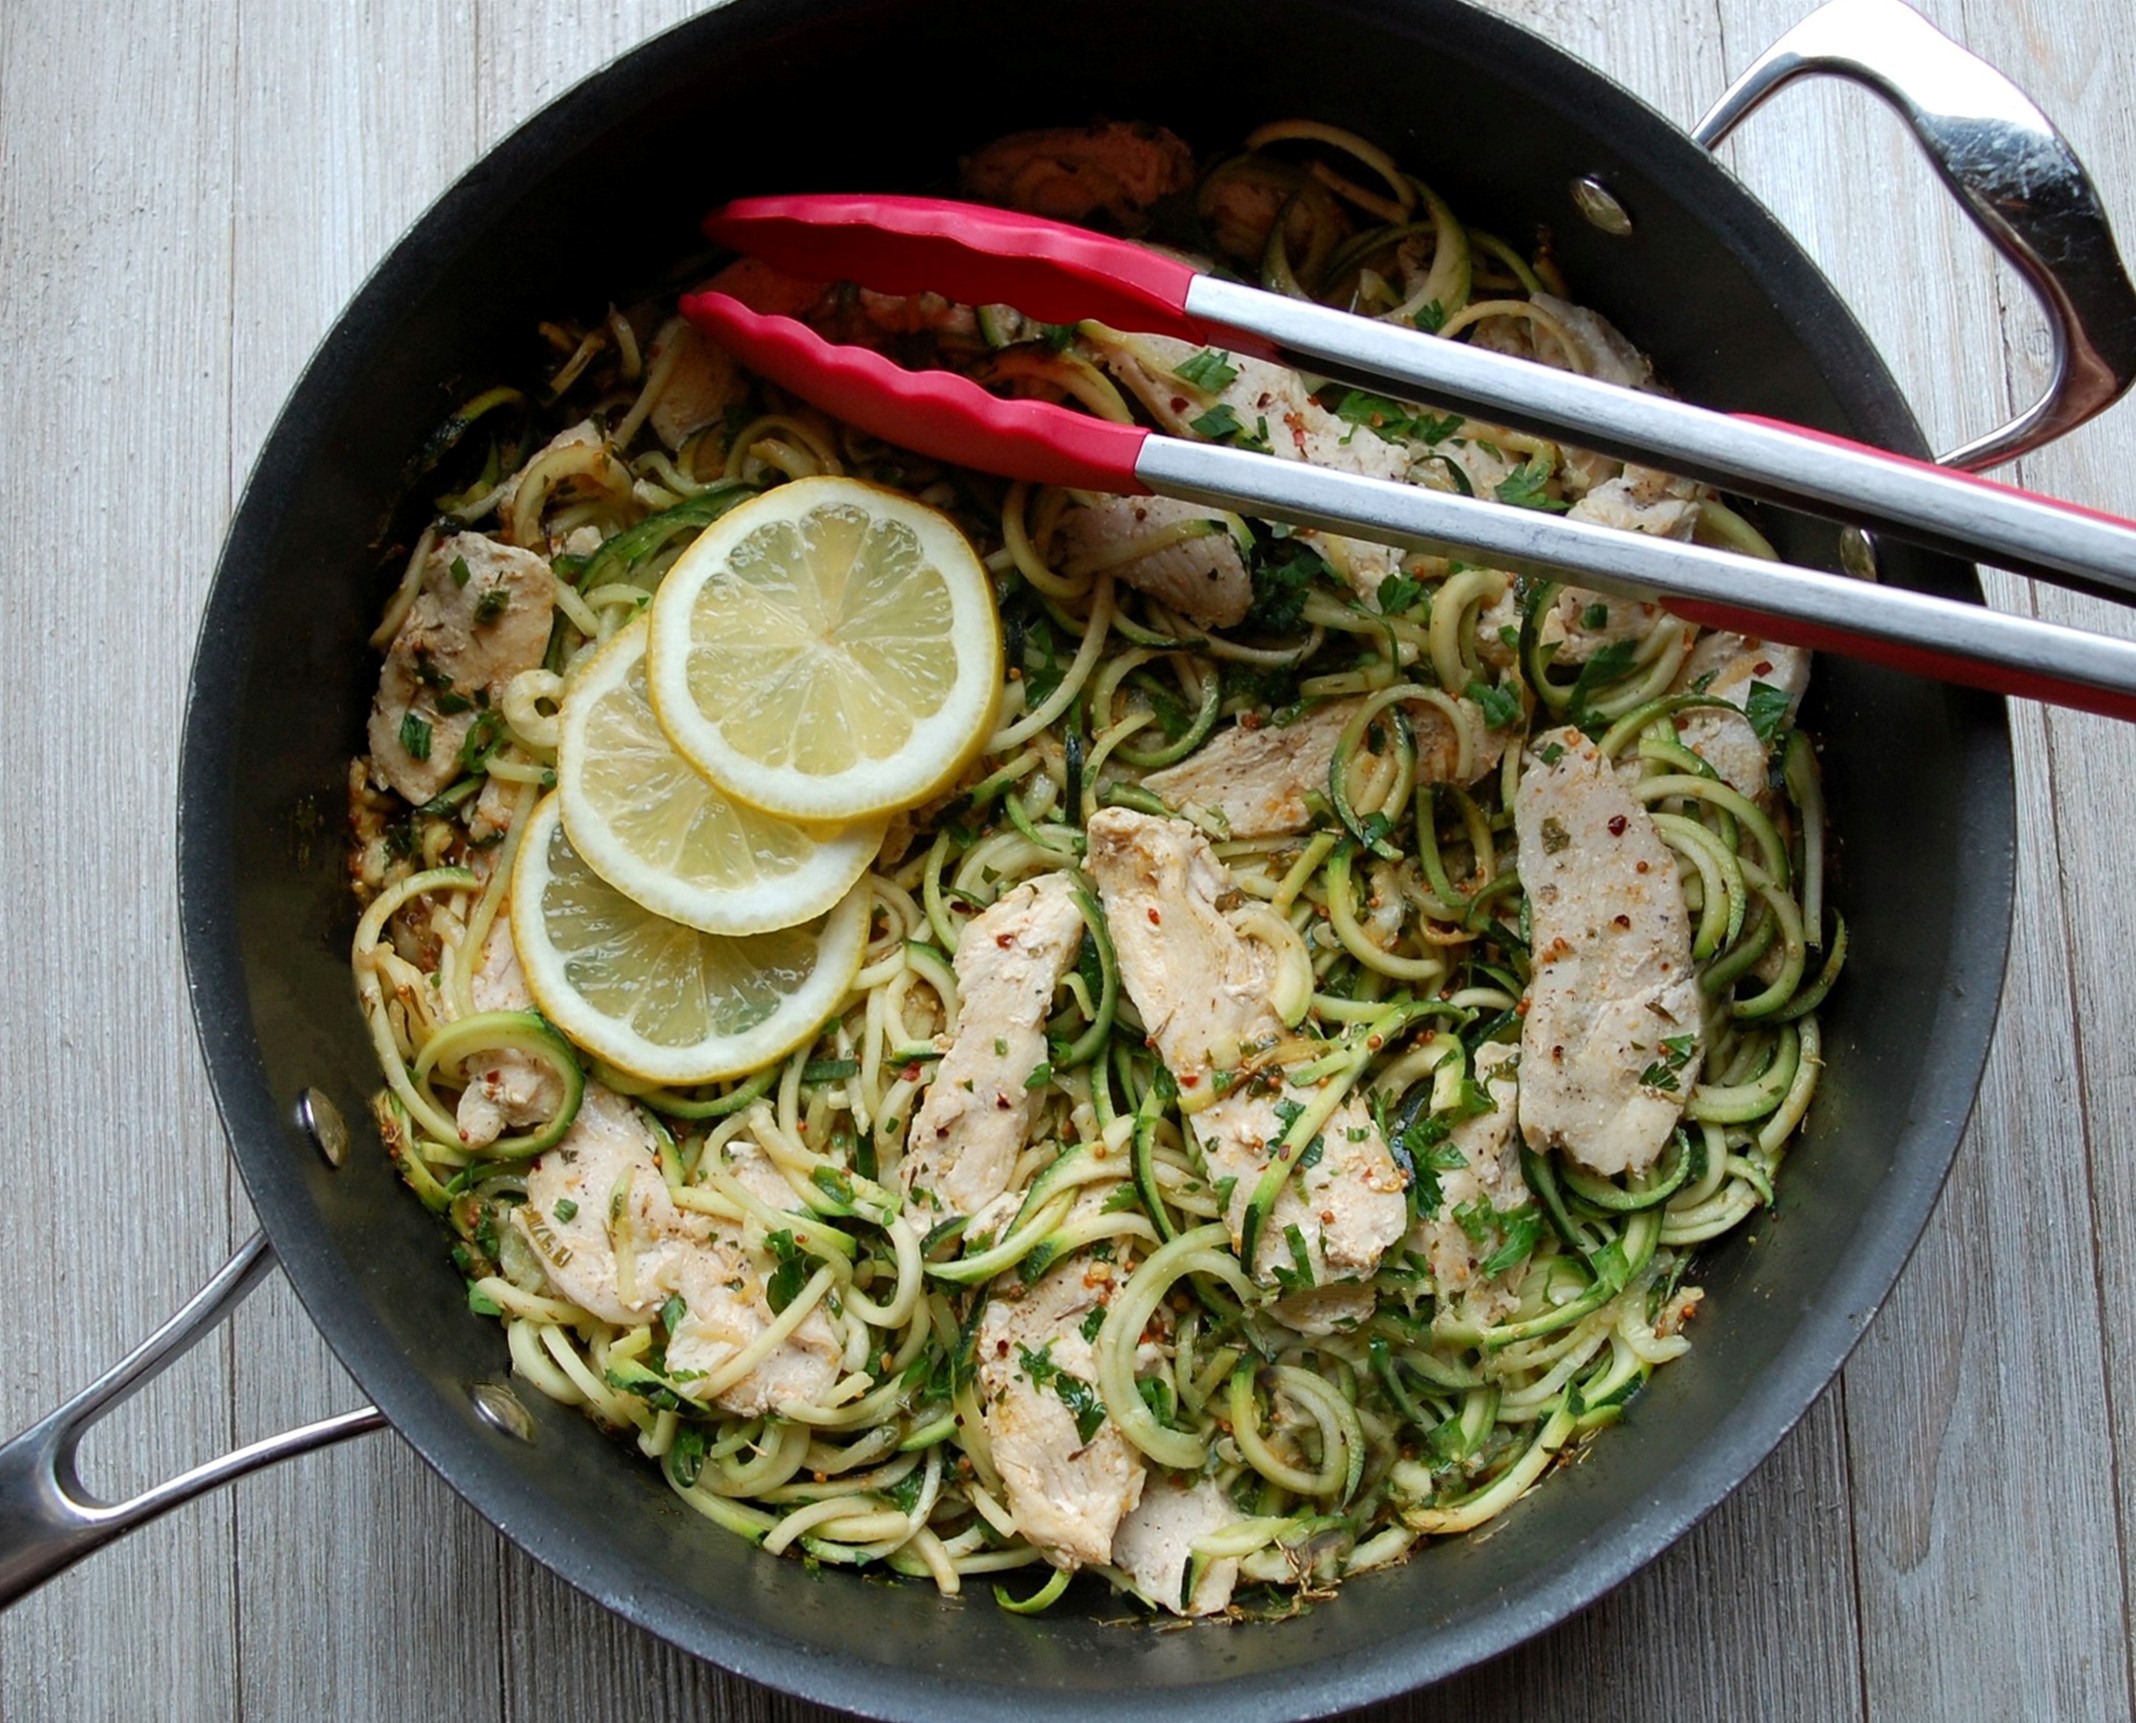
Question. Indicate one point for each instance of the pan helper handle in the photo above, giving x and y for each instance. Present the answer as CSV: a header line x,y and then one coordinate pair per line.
x,y
2013,172
48,1521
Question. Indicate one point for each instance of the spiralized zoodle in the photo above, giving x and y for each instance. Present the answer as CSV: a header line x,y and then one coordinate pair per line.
x,y
1391,912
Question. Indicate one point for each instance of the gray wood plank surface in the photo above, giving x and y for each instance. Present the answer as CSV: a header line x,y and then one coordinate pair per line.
x,y
345,131
183,207
115,165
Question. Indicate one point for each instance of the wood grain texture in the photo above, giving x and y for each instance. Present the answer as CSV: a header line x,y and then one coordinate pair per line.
x,y
114,354
183,208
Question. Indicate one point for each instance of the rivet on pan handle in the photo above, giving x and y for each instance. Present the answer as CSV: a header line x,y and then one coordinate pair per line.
x,y
48,1521
2012,170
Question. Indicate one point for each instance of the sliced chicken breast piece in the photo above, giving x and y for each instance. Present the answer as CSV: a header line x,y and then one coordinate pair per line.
x,y
1255,777
1610,1045
570,1213
1730,666
701,385
1070,1475
1642,499
1605,352
506,1089
1203,577
612,1240
1115,168
1490,1176
726,1308
1202,989
1269,397
1154,1545
976,1117
480,617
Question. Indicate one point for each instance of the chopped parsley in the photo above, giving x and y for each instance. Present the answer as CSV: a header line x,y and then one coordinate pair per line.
x,y
1208,370
795,1265
1611,664
1218,421
492,604
1399,593
459,571
1392,421
1523,486
1501,704
1522,1228
565,1210
415,736
1766,708
1071,1390
1283,573
686,1454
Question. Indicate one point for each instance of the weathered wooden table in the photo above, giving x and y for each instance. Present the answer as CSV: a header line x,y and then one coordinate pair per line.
x,y
187,196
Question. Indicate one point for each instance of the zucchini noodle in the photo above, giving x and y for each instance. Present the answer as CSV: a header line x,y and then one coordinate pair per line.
x,y
1390,915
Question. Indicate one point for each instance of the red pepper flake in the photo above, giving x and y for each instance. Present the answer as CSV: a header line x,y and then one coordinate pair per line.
x,y
1640,867
1624,921
1156,920
1189,1079
1617,823
1004,940
1002,1103
911,1072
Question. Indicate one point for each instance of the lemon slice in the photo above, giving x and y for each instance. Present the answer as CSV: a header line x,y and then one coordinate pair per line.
x,y
657,830
827,651
659,1000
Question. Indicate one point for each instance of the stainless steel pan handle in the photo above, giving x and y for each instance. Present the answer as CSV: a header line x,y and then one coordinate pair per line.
x,y
2016,176
48,1521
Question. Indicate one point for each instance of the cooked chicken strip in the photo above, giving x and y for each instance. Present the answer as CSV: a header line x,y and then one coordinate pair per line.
x,y
726,1308
573,1220
507,1088
1298,428
1735,665
1202,990
1155,1542
1072,173
1256,777
700,387
973,1124
480,617
1490,1174
1613,977
1068,1488
1202,577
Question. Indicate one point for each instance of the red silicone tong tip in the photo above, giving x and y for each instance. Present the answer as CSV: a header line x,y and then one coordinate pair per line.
x,y
936,413
970,253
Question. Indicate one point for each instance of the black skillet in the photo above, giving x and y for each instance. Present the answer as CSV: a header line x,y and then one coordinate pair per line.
x,y
600,192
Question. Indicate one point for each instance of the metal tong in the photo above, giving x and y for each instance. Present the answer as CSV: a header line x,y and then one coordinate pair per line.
x,y
1060,274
